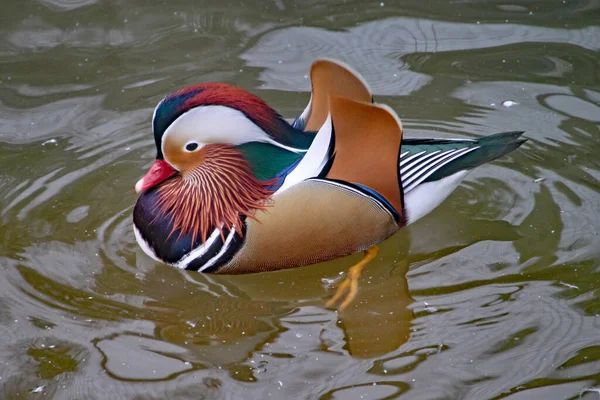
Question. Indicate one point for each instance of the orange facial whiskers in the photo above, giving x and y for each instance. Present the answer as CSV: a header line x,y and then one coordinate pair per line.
x,y
214,194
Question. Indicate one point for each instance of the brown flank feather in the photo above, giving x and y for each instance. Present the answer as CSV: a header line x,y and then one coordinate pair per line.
x,y
214,194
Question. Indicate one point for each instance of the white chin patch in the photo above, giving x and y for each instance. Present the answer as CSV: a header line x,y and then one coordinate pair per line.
x,y
139,185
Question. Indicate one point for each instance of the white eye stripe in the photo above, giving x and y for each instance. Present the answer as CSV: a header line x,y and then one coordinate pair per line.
x,y
218,124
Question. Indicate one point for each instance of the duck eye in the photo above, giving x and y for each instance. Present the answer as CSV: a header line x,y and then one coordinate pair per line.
x,y
191,146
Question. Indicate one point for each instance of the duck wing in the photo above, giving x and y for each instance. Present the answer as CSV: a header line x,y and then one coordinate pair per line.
x,y
432,168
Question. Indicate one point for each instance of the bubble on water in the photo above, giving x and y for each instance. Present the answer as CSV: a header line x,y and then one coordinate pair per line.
x,y
38,389
509,103
328,283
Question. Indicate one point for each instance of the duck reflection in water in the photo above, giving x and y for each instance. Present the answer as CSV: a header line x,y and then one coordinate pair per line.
x,y
222,319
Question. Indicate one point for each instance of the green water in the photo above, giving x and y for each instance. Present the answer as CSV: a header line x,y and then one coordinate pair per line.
x,y
493,295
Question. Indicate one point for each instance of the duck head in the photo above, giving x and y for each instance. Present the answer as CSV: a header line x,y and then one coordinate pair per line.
x,y
187,121
220,151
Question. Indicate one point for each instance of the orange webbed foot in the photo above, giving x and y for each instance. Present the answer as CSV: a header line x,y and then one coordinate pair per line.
x,y
348,289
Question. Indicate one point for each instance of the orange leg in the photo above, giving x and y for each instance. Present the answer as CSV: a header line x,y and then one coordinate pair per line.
x,y
349,286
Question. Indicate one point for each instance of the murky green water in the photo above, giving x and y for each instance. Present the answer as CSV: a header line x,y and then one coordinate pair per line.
x,y
493,295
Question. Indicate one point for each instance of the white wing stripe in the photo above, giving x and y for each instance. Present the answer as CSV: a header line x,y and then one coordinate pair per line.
x,y
409,169
430,163
411,157
417,169
437,167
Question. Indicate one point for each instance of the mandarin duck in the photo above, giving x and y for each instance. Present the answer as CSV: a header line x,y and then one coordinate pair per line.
x,y
236,189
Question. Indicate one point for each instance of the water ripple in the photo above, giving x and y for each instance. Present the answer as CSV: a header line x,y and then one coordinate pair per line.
x,y
494,294
286,54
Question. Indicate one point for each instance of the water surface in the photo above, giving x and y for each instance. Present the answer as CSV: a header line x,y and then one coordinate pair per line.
x,y
493,295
